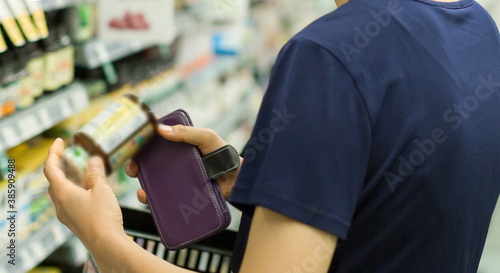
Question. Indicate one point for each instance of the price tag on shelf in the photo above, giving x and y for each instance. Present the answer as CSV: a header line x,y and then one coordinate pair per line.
x,y
136,45
29,127
44,118
65,109
27,261
57,233
38,250
78,100
9,136
102,52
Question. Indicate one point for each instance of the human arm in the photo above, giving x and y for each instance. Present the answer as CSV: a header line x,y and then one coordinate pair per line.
x,y
276,244
94,216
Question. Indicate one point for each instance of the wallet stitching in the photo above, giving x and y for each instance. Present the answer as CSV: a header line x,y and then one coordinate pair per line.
x,y
206,182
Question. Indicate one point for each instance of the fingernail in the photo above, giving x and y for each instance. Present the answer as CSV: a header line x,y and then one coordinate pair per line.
x,y
58,140
95,163
165,128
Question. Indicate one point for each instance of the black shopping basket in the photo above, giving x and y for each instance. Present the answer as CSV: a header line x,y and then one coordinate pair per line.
x,y
211,255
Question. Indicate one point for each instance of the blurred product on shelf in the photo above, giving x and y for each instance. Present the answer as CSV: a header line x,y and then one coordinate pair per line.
x,y
35,65
10,25
146,21
134,21
81,20
38,15
32,66
51,61
23,18
194,52
59,55
66,71
11,74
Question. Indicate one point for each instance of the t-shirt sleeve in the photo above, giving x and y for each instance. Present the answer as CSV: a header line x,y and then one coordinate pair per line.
x,y
308,153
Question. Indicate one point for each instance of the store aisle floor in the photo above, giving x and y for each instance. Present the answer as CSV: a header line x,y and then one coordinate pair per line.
x,y
490,262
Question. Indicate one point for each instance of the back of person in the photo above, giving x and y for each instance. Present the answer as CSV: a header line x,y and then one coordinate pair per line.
x,y
428,76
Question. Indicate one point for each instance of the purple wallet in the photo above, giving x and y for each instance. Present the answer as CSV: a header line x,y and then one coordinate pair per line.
x,y
185,204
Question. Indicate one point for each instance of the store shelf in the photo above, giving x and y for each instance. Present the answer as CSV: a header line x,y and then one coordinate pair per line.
x,y
49,5
43,115
33,250
95,53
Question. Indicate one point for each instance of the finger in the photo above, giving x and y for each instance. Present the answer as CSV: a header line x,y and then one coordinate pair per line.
x,y
52,168
141,195
95,172
131,169
206,139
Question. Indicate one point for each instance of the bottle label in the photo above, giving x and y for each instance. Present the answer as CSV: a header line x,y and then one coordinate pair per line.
x,y
36,68
130,148
24,19
9,98
26,98
27,27
15,35
3,45
67,62
116,124
41,23
36,10
50,82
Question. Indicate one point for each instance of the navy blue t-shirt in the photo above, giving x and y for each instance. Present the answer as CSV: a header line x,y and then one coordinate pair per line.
x,y
381,125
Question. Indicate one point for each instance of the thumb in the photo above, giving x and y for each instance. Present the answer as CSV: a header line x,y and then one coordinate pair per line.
x,y
95,172
205,139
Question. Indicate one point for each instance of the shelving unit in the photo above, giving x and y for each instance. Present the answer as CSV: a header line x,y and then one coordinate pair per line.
x,y
95,53
32,251
52,109
53,234
43,115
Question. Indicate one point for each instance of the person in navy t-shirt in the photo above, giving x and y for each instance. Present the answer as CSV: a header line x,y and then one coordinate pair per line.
x,y
381,126
376,149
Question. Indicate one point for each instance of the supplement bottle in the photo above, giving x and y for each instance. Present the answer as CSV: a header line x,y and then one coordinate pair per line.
x,y
115,135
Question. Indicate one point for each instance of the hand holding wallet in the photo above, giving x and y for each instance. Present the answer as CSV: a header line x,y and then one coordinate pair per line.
x,y
186,204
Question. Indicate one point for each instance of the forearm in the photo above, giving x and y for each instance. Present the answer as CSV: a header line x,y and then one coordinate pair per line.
x,y
118,253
